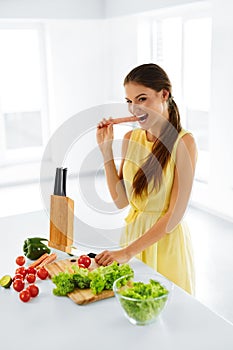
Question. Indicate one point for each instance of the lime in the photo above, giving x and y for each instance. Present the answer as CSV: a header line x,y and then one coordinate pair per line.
x,y
6,281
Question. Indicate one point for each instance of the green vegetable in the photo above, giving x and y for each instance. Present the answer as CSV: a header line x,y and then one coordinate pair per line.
x,y
97,283
104,277
81,277
64,282
97,280
34,248
144,307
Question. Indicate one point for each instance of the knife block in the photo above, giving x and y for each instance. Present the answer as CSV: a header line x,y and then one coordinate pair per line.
x,y
61,223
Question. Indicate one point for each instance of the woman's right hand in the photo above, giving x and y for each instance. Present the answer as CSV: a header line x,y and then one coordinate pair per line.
x,y
104,136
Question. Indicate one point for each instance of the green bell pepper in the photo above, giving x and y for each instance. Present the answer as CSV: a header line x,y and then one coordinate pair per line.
x,y
33,248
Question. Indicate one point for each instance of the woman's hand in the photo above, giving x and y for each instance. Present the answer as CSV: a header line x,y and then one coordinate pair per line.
x,y
104,136
108,257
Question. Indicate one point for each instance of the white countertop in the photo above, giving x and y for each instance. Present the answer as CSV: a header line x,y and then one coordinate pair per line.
x,y
49,322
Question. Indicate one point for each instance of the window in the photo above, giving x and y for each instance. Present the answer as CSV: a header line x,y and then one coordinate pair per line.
x,y
183,47
197,66
23,97
181,42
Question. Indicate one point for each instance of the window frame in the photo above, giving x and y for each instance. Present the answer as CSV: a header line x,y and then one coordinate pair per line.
x,y
10,157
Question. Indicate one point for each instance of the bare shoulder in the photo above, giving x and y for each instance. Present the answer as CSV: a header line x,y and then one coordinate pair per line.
x,y
125,142
186,145
187,141
128,135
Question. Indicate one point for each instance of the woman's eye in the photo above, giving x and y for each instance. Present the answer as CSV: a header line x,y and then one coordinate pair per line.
x,y
128,101
141,99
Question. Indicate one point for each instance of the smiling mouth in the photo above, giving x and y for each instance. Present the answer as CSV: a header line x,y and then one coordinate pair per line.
x,y
142,118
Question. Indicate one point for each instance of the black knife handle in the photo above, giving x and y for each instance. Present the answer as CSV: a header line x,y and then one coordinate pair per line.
x,y
64,181
58,186
91,255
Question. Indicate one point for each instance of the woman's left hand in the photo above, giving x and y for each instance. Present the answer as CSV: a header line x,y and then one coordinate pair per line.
x,y
108,257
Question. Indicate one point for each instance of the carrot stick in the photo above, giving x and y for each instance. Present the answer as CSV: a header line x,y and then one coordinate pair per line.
x,y
123,120
47,260
39,261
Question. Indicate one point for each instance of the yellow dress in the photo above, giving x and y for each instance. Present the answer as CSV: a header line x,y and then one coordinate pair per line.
x,y
172,255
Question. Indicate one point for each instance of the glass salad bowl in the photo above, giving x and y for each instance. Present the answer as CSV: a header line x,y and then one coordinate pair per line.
x,y
143,297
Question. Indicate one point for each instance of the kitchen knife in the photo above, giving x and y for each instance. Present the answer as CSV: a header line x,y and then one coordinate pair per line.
x,y
64,181
58,186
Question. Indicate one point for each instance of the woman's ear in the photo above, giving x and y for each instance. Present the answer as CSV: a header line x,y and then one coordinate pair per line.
x,y
165,95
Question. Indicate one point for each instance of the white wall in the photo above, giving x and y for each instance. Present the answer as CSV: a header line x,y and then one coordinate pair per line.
x,y
75,67
115,8
221,112
73,9
62,9
120,54
221,87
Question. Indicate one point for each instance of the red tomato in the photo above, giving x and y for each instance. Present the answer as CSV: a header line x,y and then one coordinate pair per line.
x,y
32,270
20,260
33,290
18,285
17,277
82,266
42,273
31,278
84,260
25,295
21,270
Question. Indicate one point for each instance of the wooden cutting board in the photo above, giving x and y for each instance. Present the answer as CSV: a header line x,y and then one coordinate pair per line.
x,y
79,296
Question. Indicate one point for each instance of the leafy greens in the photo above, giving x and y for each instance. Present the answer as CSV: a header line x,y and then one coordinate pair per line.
x,y
97,280
143,301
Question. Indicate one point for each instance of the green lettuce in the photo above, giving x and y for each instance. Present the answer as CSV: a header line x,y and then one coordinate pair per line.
x,y
64,283
102,278
145,307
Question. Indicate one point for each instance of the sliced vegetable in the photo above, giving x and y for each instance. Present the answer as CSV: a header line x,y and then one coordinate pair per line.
x,y
39,261
6,281
50,258
82,266
123,120
84,260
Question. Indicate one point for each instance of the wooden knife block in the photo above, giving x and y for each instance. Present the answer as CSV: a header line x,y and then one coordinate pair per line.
x,y
61,223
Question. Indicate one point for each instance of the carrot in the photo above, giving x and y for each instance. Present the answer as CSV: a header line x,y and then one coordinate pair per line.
x,y
47,260
39,261
123,120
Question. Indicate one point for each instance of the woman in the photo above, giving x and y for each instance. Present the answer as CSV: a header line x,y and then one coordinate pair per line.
x,y
155,178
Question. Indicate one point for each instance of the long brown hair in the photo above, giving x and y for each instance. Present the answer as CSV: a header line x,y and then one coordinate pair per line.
x,y
154,77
